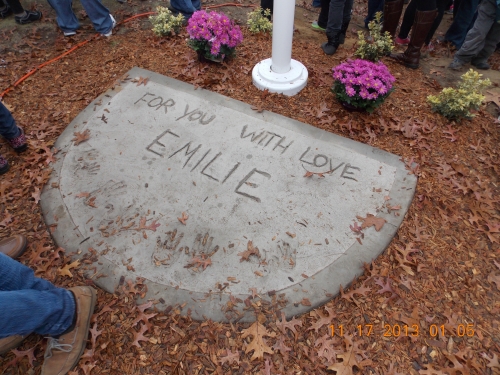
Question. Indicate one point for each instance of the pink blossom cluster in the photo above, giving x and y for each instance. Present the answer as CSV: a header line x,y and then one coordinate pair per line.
x,y
364,78
214,28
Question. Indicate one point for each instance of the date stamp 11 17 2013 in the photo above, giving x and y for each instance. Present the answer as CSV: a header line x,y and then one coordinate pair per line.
x,y
398,330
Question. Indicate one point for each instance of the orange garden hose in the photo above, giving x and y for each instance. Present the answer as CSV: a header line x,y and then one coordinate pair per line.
x,y
34,70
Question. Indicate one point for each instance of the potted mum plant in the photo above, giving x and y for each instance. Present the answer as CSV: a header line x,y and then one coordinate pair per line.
x,y
213,35
362,85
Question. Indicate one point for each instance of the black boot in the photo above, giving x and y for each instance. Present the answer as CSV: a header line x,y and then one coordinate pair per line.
x,y
421,26
343,31
331,46
392,13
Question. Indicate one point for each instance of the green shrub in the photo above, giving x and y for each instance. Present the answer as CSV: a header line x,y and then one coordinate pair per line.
x,y
165,23
455,104
378,44
258,21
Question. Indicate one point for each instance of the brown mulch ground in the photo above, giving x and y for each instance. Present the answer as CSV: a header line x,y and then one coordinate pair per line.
x,y
440,273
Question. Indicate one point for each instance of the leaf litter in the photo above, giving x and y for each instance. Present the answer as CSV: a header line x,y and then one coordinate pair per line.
x,y
452,279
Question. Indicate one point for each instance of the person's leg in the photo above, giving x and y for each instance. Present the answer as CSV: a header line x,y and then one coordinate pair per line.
x,y
408,18
21,16
186,8
334,25
476,37
464,15
16,276
323,14
16,6
346,19
392,13
10,131
441,5
374,6
63,314
99,15
66,18
492,39
424,18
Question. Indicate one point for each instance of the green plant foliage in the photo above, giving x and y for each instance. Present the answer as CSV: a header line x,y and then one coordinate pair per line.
x,y
165,23
258,21
455,104
378,44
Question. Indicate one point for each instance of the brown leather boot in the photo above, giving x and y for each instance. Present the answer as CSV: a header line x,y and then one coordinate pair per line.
x,y
421,26
14,246
62,354
392,13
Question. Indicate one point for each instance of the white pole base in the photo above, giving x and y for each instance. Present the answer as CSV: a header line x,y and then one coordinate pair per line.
x,y
289,83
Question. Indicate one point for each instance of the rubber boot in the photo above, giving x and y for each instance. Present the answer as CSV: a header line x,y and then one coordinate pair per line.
x,y
343,31
392,13
331,46
421,26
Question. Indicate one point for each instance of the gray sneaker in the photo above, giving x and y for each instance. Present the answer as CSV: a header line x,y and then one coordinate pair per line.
x,y
456,64
483,65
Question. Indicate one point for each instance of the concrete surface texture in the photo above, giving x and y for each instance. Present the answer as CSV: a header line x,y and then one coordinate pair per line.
x,y
206,199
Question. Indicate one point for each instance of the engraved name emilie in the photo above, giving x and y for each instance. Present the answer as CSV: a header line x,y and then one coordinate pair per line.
x,y
202,159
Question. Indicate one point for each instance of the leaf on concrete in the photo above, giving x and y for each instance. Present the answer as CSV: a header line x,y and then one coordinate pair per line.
x,y
251,250
258,344
183,218
81,137
370,220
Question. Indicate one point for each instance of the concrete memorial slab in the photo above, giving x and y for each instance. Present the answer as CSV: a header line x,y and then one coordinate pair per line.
x,y
206,199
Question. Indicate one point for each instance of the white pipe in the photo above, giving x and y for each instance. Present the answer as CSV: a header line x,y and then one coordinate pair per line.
x,y
283,16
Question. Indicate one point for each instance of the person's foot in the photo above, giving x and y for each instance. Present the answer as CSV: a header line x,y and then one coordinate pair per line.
x,y
456,64
62,354
4,165
5,11
29,17
69,33
13,246
19,143
110,32
481,65
11,342
402,41
317,27
427,48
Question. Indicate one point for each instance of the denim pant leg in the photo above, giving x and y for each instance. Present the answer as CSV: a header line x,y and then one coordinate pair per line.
x,y
476,37
339,12
8,127
66,18
185,7
461,22
29,304
374,6
99,15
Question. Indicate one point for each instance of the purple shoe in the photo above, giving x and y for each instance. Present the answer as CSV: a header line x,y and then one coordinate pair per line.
x,y
19,143
4,165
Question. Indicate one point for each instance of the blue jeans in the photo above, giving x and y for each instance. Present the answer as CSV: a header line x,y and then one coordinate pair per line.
x,y
67,21
462,22
186,7
29,304
8,127
374,6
